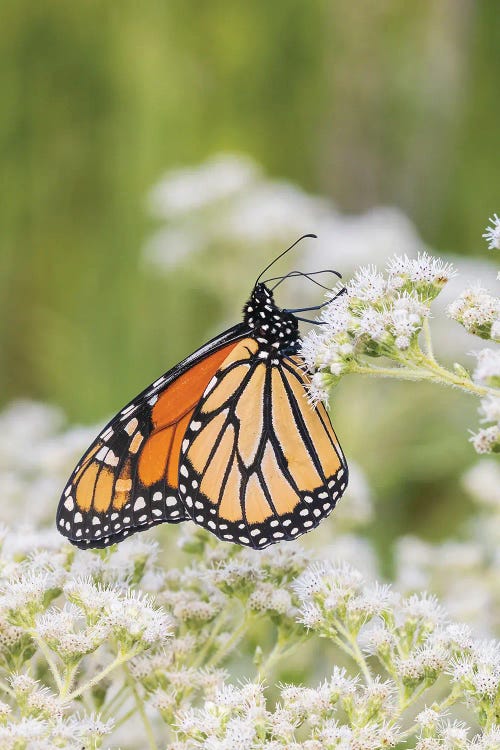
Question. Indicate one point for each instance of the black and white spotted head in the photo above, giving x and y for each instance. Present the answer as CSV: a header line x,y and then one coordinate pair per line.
x,y
274,329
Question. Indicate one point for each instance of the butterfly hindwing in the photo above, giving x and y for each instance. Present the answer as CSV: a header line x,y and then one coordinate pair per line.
x,y
127,481
259,464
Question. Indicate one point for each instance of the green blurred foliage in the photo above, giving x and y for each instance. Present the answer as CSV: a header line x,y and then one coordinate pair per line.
x,y
371,102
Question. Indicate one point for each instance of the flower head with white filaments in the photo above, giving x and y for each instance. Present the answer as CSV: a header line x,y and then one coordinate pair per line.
x,y
492,233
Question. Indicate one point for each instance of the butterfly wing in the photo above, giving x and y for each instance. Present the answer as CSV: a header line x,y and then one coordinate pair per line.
x,y
259,464
127,481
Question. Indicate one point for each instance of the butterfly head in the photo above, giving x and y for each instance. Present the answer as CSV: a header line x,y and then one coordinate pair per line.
x,y
273,326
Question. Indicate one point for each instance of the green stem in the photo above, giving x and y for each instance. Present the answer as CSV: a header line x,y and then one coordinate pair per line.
x,y
230,643
278,652
48,658
210,640
117,662
426,330
139,702
124,718
413,697
350,647
116,702
399,373
426,369
438,707
68,680
447,377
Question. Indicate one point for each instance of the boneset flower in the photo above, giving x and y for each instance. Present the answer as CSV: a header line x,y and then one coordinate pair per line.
x,y
488,367
477,310
375,316
24,597
387,316
134,619
67,633
486,440
492,234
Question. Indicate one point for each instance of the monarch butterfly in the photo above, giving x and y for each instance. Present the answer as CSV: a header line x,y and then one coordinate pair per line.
x,y
226,438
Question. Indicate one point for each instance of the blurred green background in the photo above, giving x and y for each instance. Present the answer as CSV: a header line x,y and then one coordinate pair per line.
x,y
373,102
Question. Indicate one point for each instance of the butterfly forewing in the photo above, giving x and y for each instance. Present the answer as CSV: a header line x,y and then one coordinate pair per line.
x,y
259,463
128,479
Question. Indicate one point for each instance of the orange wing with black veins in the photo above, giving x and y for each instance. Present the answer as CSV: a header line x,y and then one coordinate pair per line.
x,y
260,463
128,479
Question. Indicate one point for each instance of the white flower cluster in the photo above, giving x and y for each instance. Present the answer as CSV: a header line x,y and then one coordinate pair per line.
x,y
492,233
387,315
238,717
32,733
76,619
478,311
400,648
463,572
225,201
487,373
81,616
378,315
72,619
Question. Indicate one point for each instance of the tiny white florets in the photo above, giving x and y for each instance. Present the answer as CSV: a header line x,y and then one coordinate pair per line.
x,y
492,233
477,310
487,370
377,316
486,440
422,269
373,323
425,608
317,389
367,285
490,408
386,316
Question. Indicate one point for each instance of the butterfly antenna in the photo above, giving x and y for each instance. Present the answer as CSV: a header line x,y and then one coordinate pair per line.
x,y
304,236
318,307
295,274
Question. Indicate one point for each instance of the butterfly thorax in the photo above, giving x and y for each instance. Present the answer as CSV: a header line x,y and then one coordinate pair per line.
x,y
275,330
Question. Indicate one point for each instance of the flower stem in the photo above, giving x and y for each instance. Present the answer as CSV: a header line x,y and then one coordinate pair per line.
x,y
48,658
116,702
350,646
231,642
125,718
278,652
221,620
426,369
400,373
117,662
447,377
139,702
68,680
438,707
429,349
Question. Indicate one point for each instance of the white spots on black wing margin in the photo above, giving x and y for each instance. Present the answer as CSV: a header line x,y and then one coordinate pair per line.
x,y
310,510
